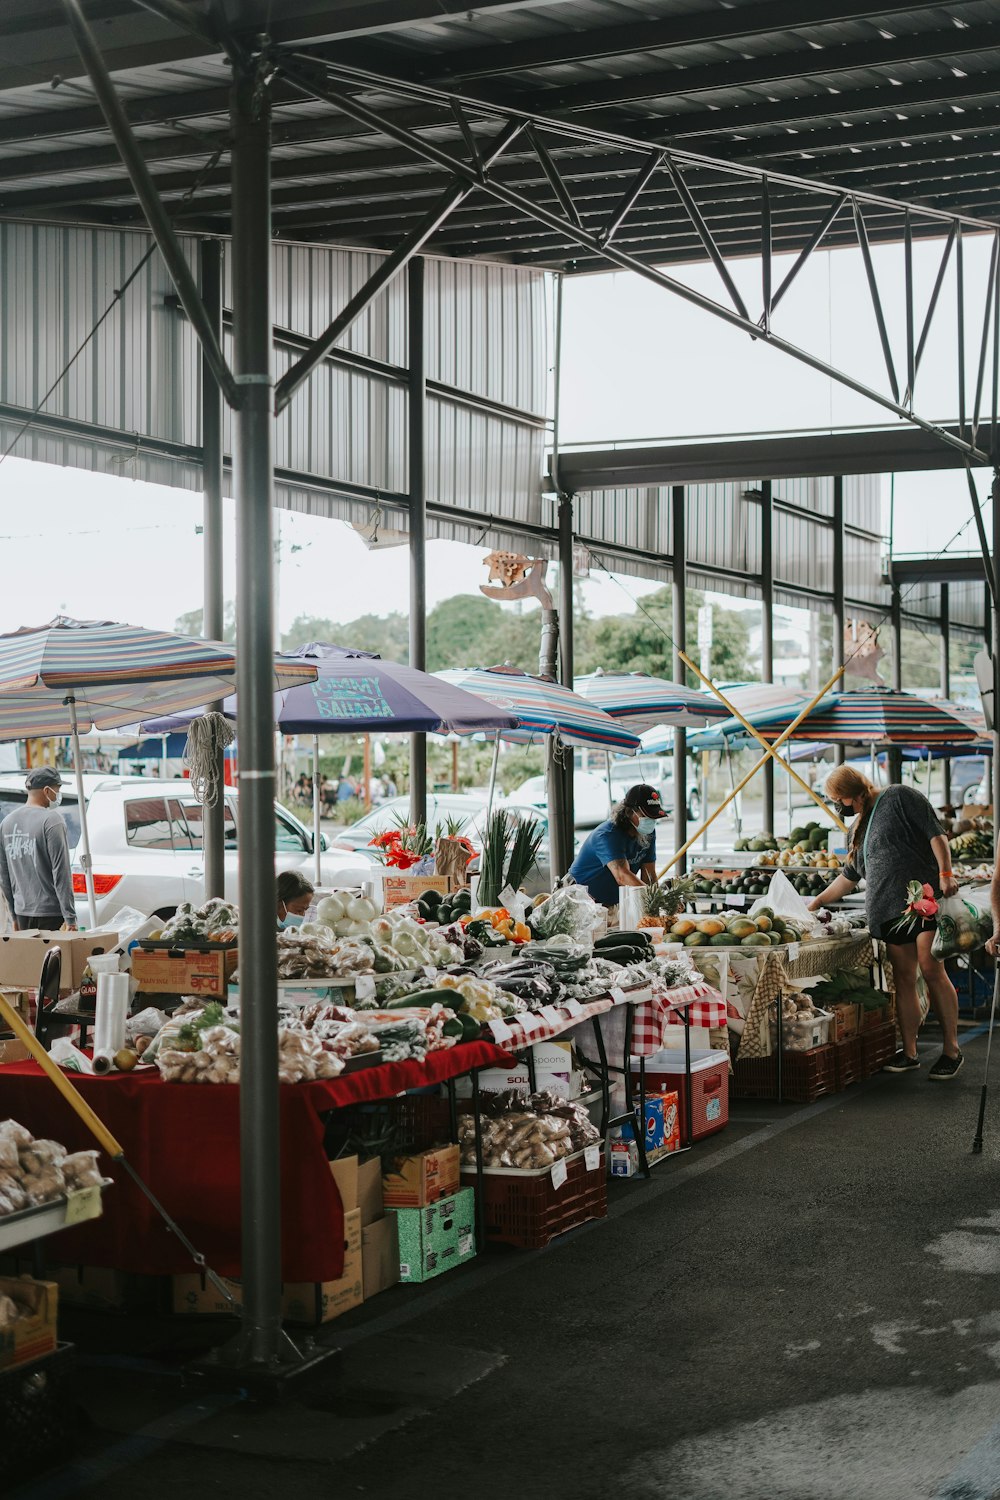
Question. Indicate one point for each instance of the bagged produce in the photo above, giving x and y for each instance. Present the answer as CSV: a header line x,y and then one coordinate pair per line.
x,y
960,928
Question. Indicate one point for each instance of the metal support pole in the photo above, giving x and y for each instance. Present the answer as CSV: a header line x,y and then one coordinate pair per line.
x,y
679,550
417,397
946,678
894,757
839,610
995,493
767,626
253,470
213,622
566,657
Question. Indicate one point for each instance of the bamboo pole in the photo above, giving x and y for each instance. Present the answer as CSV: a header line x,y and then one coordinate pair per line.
x,y
72,1096
779,760
785,734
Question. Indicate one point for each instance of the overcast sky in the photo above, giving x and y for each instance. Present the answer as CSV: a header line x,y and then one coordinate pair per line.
x,y
639,362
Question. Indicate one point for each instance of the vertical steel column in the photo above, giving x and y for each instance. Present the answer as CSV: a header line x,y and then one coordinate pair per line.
x,y
995,613
416,407
894,756
566,660
253,469
946,675
839,609
679,549
767,626
213,623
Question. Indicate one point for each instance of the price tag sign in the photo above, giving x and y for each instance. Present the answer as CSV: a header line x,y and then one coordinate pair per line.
x,y
82,1205
734,901
592,1157
364,987
501,1031
617,995
573,1006
559,1173
551,1015
793,952
531,1023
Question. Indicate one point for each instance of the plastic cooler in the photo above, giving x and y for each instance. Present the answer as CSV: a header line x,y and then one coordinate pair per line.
x,y
709,1087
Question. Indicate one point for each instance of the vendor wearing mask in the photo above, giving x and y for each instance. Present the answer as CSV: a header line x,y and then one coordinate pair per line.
x,y
295,894
621,850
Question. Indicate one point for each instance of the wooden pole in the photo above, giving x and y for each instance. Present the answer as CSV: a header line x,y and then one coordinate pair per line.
x,y
785,734
778,759
454,765
368,772
73,1098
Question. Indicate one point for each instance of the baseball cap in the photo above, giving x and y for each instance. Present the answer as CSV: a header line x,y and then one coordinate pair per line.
x,y
645,799
43,776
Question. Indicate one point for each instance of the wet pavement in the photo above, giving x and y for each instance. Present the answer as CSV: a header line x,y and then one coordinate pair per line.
x,y
806,1307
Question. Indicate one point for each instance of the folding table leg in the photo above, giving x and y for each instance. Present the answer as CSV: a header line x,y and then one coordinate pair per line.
x,y
480,1180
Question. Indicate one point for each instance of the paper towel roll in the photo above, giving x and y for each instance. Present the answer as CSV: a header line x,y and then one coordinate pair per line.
x,y
631,905
110,1012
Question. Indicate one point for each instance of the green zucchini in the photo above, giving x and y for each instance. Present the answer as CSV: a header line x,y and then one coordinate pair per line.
x,y
624,955
622,937
424,999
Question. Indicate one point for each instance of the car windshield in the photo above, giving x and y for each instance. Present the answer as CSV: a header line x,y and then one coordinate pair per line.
x,y
11,800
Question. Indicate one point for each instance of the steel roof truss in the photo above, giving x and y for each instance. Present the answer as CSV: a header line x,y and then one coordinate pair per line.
x,y
302,72
705,235
630,198
985,338
883,332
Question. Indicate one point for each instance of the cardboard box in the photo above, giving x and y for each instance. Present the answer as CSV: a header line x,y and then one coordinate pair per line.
x,y
415,1181
845,1022
380,1255
397,890
106,1290
187,971
370,1199
13,1051
308,1302
23,953
34,1333
437,1238
553,1070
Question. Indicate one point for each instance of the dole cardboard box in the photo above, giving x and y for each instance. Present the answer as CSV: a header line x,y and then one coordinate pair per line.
x,y
33,1332
184,971
417,1180
397,890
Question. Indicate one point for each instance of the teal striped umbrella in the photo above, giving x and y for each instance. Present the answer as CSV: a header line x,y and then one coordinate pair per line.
x,y
542,708
69,675
640,702
866,716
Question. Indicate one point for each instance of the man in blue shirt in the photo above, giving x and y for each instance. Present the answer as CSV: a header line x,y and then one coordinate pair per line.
x,y
622,849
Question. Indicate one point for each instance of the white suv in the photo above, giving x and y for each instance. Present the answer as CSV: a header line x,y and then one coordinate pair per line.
x,y
146,843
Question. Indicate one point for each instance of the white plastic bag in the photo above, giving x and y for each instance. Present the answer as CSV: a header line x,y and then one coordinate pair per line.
x,y
961,928
784,900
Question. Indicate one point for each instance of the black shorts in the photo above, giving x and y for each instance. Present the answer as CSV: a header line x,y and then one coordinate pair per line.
x,y
886,935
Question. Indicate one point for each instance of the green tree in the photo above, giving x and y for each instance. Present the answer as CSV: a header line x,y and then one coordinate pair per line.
x,y
191,623
643,641
389,635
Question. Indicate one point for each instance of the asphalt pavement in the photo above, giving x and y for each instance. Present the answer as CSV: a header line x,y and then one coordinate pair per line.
x,y
805,1307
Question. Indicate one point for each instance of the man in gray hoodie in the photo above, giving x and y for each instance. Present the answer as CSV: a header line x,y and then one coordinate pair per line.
x,y
35,873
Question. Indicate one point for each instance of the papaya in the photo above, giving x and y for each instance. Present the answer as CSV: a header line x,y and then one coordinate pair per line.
x,y
696,940
711,926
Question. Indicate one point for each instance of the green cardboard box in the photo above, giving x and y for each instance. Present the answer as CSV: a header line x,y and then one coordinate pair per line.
x,y
436,1238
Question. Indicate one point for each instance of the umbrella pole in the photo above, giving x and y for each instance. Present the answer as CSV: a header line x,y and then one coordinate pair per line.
x,y
788,787
493,777
85,859
317,810
732,782
607,767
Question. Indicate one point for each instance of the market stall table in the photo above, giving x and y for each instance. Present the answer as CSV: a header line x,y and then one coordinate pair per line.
x,y
183,1140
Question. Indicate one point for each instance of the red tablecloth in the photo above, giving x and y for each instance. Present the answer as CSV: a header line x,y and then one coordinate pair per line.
x,y
183,1140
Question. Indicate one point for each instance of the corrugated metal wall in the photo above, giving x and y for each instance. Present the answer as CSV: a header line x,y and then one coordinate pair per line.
x,y
141,373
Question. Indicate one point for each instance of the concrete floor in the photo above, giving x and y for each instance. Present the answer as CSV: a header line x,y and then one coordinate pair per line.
x,y
806,1307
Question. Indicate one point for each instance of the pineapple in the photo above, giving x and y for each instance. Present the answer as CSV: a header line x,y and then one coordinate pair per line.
x,y
662,902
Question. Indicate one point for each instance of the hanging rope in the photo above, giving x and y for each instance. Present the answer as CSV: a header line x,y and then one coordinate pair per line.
x,y
207,740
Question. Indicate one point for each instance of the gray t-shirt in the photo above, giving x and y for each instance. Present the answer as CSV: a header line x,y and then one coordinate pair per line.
x,y
35,872
898,840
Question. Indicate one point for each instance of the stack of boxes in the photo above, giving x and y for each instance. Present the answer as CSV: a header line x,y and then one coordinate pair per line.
x,y
661,1117
435,1217
32,1333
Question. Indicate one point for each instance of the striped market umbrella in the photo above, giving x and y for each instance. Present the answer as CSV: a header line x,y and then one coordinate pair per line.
x,y
543,708
73,675
750,698
640,702
868,716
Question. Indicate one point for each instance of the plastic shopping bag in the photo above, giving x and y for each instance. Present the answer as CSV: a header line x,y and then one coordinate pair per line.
x,y
960,928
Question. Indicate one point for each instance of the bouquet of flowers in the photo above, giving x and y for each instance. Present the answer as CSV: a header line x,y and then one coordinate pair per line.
x,y
921,903
403,846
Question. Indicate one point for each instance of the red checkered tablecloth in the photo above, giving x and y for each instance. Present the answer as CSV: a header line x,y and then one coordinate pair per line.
x,y
552,1021
702,1005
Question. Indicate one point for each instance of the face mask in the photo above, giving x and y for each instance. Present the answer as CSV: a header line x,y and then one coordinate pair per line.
x,y
845,811
646,826
56,799
292,919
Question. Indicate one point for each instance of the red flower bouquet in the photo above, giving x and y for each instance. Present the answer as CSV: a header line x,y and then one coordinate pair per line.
x,y
921,903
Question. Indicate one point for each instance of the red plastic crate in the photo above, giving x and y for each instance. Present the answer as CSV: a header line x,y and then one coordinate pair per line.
x,y
709,1093
524,1209
805,1076
878,1046
847,1065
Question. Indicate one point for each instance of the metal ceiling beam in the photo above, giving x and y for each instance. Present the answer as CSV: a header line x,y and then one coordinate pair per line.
x,y
874,52
883,132
308,79
895,450
722,24
937,570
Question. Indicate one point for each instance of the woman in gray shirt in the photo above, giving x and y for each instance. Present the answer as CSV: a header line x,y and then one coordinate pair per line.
x,y
897,838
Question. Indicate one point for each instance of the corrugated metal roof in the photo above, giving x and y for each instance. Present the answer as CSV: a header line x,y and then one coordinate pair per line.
x,y
901,101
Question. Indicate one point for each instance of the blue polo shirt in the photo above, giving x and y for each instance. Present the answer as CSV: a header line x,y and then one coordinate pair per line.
x,y
606,844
